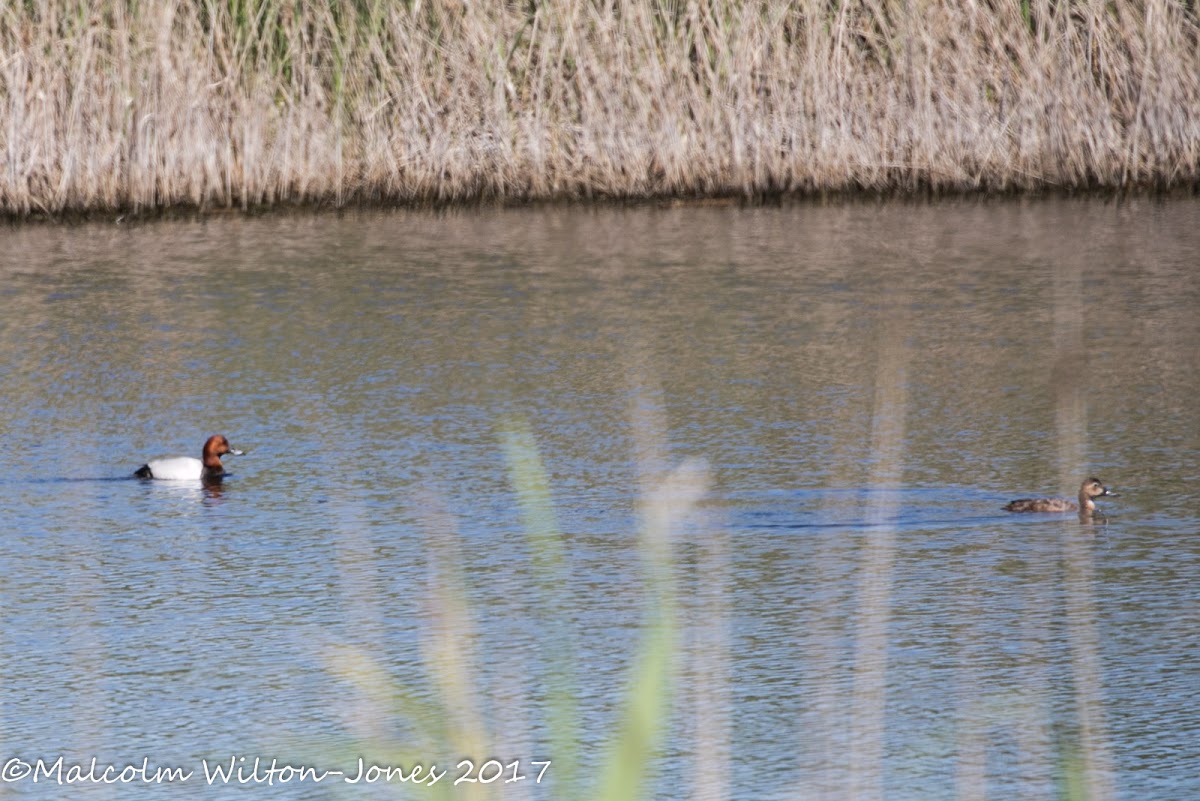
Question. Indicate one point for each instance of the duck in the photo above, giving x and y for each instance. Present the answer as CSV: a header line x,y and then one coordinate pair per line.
x,y
208,468
1092,488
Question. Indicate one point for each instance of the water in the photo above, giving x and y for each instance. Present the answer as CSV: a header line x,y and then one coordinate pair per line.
x,y
857,388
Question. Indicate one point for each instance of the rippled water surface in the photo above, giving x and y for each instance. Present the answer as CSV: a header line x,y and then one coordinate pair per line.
x,y
514,473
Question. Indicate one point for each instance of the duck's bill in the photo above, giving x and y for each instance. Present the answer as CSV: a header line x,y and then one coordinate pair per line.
x,y
1109,492
236,452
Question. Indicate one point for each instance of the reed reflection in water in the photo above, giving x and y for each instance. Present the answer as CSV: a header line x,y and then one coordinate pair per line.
x,y
695,503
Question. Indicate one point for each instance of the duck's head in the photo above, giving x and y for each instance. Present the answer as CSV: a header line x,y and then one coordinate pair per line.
x,y
217,446
1094,488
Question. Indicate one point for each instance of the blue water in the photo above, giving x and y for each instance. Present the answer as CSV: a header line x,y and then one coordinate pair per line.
x,y
857,389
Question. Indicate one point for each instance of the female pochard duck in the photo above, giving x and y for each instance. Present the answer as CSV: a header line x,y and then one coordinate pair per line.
x,y
1092,488
186,468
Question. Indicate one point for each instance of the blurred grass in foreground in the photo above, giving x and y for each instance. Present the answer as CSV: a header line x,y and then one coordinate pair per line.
x,y
679,692
450,723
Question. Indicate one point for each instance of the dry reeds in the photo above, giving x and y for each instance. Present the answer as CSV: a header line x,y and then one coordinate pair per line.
x,y
120,104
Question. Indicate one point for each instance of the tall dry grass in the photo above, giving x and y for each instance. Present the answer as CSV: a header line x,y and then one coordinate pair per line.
x,y
131,104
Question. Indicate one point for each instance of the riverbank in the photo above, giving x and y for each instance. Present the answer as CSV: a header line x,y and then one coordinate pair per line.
x,y
119,107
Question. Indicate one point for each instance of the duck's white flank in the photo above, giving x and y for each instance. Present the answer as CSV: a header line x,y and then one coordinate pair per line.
x,y
176,468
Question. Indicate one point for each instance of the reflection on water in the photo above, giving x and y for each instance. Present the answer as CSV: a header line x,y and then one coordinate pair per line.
x,y
470,522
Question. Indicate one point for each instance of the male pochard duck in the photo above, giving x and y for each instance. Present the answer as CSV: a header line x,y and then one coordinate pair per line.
x,y
187,468
1092,488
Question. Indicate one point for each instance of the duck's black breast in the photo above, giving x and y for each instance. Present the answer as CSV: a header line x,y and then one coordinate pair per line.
x,y
212,474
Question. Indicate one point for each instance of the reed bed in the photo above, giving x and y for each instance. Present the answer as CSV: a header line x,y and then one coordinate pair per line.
x,y
140,104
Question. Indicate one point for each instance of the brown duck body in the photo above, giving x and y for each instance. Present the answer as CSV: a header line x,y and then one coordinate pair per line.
x,y
1092,488
1042,505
